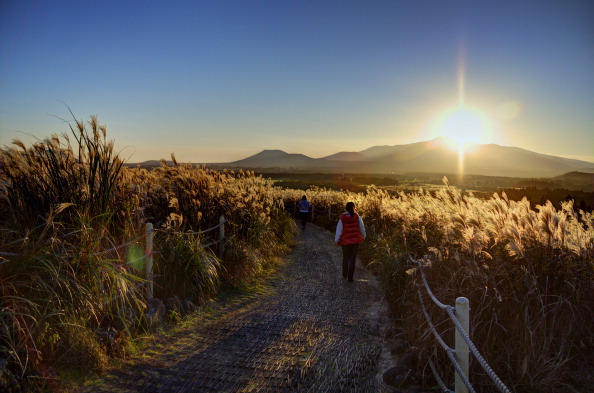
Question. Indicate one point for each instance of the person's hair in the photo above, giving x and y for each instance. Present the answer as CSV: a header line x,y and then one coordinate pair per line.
x,y
303,198
350,207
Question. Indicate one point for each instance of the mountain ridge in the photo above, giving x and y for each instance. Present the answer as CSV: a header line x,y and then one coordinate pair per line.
x,y
432,156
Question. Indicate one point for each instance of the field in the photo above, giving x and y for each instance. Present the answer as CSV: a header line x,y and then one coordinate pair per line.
x,y
527,271
575,186
527,266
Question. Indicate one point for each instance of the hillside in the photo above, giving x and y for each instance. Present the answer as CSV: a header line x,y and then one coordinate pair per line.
x,y
275,158
424,157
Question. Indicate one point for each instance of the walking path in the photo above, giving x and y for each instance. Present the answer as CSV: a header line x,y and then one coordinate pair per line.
x,y
310,331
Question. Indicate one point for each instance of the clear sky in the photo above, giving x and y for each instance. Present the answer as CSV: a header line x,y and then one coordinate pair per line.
x,y
216,81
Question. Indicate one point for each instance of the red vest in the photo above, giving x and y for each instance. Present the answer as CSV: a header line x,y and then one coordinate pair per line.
x,y
351,234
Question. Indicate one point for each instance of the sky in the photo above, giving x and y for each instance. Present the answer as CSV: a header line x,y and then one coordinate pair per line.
x,y
218,81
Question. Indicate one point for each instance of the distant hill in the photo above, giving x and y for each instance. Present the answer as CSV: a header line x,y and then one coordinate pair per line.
x,y
346,156
275,158
576,180
422,157
147,164
578,177
433,157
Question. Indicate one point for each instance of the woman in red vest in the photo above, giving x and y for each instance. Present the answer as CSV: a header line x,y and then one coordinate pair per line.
x,y
350,232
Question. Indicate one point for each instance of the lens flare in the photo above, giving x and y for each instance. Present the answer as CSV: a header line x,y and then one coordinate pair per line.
x,y
135,257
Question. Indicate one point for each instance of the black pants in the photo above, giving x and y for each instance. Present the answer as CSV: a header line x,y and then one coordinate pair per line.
x,y
303,216
349,257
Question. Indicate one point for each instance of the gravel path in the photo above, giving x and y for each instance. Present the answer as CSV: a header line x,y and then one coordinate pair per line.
x,y
309,331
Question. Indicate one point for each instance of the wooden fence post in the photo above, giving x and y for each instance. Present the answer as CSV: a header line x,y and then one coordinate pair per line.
x,y
148,250
313,211
462,313
221,235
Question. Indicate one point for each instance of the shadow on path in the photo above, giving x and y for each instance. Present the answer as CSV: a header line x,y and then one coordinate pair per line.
x,y
312,332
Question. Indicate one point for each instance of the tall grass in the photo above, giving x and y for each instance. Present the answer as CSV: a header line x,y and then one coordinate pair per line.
x,y
66,207
528,272
53,171
72,217
192,198
57,284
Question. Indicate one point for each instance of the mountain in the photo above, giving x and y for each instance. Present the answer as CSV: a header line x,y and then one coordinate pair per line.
x,y
433,156
346,156
275,159
576,180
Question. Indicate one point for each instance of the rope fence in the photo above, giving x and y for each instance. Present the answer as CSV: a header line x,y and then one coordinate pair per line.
x,y
460,355
314,211
149,249
148,236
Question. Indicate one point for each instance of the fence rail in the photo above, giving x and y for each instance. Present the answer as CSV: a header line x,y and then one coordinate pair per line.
x,y
315,211
148,252
459,356
149,249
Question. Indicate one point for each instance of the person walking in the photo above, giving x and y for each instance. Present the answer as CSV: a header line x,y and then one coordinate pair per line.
x,y
303,210
350,232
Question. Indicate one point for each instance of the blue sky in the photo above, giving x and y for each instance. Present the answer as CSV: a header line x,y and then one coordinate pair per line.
x,y
215,81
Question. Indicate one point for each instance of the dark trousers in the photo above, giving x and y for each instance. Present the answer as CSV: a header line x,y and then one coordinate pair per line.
x,y
303,216
349,257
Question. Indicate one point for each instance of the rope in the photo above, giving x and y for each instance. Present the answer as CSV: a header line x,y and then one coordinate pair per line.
x,y
439,304
441,384
449,351
201,233
452,356
120,246
451,312
213,243
206,230
500,385
431,326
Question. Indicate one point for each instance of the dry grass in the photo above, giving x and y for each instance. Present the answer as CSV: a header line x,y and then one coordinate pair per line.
x,y
528,272
66,207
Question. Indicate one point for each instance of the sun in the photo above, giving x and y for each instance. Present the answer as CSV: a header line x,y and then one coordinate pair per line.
x,y
462,126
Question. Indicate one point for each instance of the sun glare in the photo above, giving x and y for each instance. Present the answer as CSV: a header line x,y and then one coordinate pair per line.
x,y
462,126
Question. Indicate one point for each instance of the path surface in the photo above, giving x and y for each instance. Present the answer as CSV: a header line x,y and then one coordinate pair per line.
x,y
311,331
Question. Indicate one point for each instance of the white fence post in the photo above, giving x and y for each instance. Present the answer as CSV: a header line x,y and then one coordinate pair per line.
x,y
148,250
462,313
221,235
